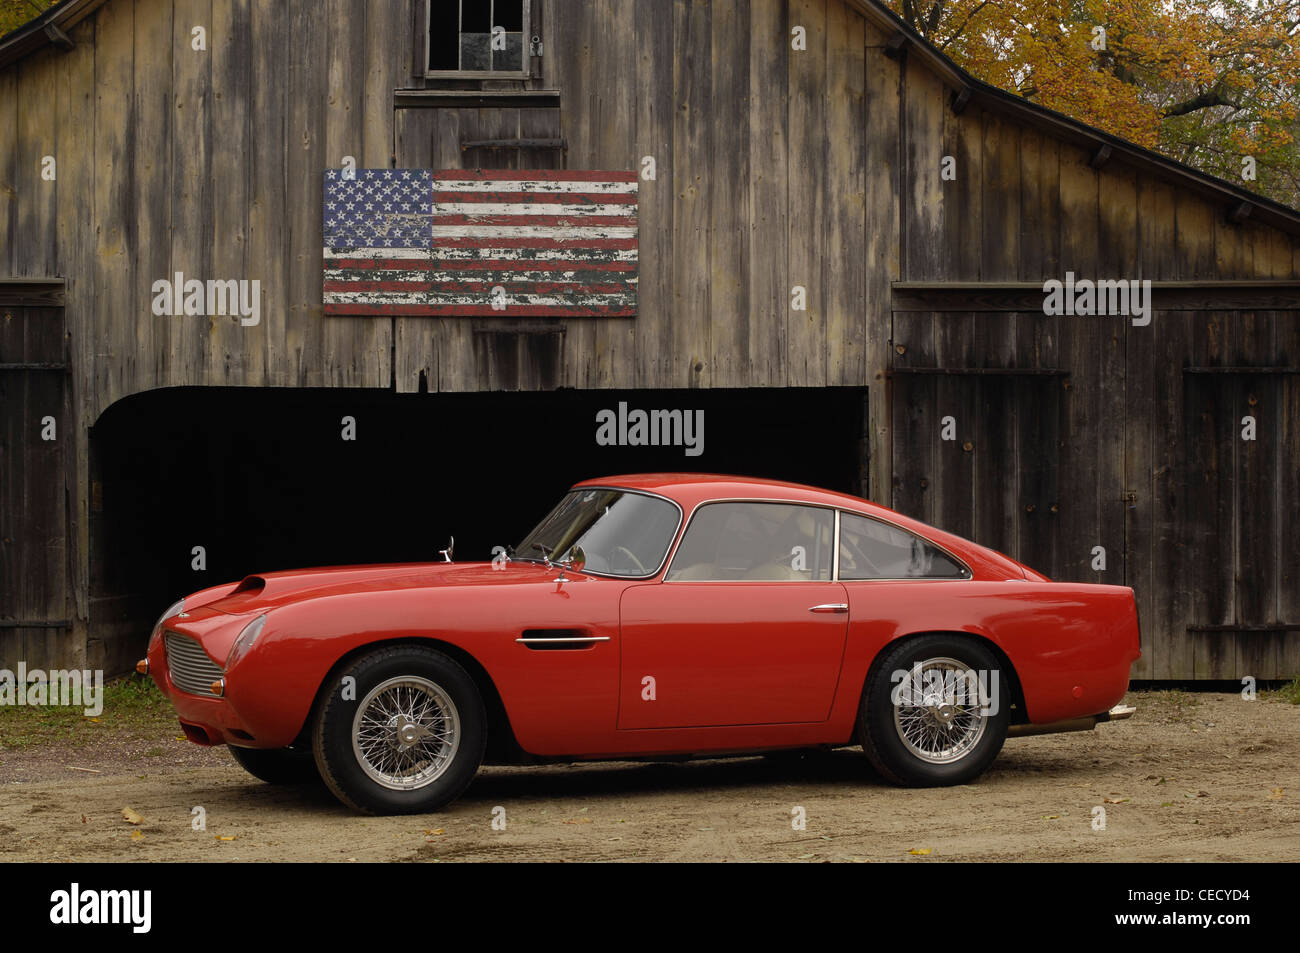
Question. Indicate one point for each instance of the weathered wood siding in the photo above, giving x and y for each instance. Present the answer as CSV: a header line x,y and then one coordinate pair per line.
x,y
776,168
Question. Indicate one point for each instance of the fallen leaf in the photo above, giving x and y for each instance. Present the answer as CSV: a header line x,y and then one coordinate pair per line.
x,y
95,720
137,835
921,851
583,820
131,817
1051,817
73,767
225,837
1114,800
438,831
1275,793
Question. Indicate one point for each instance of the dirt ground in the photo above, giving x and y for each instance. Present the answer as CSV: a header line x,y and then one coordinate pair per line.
x,y
1204,777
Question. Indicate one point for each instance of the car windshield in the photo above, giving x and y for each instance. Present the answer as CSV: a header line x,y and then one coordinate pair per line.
x,y
621,533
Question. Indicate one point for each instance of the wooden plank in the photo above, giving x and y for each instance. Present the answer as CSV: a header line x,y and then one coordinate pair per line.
x,y
8,169
1260,512
1037,339
191,185
615,128
728,197
1287,542
114,264
690,331
653,135
1141,453
576,73
843,247
882,154
768,199
268,214
923,193
160,338
228,41
1118,257
915,423
76,114
35,245
809,187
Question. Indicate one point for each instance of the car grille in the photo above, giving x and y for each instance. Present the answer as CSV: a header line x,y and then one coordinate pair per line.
x,y
191,669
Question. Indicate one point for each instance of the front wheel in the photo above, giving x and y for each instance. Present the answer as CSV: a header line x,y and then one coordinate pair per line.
x,y
400,731
934,712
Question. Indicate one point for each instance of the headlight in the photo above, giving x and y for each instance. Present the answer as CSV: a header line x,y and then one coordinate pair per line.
x,y
245,640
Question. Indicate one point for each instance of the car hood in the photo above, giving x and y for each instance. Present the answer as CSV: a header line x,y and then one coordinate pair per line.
x,y
268,590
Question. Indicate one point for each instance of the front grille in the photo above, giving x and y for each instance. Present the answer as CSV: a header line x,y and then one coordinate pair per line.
x,y
191,669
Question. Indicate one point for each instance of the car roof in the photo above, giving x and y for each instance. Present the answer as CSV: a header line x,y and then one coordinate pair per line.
x,y
691,489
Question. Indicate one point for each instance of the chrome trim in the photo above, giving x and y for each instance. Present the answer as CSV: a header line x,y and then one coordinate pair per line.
x,y
681,519
835,553
830,607
567,638
188,666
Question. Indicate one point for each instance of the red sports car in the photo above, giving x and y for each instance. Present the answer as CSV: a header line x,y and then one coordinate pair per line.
x,y
647,616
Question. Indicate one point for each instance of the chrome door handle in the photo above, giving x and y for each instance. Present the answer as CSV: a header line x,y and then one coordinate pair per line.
x,y
569,639
830,607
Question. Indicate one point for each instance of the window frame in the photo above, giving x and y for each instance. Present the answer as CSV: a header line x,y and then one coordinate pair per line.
x,y
666,567
673,540
969,573
524,72
835,549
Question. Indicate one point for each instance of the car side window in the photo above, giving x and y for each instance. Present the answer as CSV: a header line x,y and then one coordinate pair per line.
x,y
872,549
774,542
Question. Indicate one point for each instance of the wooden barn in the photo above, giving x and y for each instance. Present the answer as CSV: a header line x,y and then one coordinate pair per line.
x,y
842,245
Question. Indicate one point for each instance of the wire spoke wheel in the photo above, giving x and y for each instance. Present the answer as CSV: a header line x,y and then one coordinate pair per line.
x,y
940,711
405,733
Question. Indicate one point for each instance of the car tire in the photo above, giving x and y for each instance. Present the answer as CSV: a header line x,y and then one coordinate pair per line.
x,y
405,735
924,740
277,765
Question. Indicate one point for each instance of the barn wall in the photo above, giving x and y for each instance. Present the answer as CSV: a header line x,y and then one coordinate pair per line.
x,y
775,168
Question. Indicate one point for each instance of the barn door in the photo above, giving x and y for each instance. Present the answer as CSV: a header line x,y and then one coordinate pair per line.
x,y
976,452
1241,589
35,450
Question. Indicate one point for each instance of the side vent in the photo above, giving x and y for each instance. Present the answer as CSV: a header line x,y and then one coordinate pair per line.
x,y
559,639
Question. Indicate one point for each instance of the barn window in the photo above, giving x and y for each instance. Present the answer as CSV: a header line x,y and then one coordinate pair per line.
x,y
478,37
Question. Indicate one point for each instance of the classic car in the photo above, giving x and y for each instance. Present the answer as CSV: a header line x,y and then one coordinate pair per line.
x,y
647,616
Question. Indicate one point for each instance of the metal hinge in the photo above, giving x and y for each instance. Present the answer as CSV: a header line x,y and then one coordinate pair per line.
x,y
535,46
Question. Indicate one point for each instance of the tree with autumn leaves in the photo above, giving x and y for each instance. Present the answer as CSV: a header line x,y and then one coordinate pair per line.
x,y
1214,84
1206,82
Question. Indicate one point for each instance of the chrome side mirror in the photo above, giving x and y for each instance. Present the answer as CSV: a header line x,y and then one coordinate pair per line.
x,y
451,547
575,560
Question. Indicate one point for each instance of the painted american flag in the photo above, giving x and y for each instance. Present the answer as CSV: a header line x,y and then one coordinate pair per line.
x,y
552,243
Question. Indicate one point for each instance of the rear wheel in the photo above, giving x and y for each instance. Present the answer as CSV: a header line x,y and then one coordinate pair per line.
x,y
277,765
400,731
933,713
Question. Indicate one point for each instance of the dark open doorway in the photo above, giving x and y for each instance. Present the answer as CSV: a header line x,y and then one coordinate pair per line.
x,y
262,479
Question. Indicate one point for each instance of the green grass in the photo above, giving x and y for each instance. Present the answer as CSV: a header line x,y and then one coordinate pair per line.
x,y
133,708
1289,693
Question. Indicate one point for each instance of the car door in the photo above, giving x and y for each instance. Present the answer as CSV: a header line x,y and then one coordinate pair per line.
x,y
746,628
